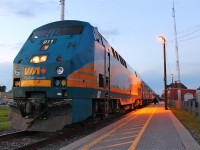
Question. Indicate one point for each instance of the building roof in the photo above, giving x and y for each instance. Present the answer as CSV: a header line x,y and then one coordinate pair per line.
x,y
177,85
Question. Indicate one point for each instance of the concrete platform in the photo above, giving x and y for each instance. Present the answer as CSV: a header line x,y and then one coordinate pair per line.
x,y
149,128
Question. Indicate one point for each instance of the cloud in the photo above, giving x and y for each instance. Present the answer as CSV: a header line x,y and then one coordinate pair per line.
x,y
17,46
106,30
25,13
191,81
190,75
11,51
24,8
188,68
154,79
110,32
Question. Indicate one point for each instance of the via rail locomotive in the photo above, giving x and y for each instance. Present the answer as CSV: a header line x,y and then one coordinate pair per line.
x,y
67,72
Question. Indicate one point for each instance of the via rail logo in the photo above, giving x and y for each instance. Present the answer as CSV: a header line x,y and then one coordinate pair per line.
x,y
34,71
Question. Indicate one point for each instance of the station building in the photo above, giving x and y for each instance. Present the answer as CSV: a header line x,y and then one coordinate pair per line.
x,y
178,91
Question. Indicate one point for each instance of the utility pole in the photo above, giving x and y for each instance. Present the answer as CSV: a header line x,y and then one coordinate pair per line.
x,y
172,78
165,71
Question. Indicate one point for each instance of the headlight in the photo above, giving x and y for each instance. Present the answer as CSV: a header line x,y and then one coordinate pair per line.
x,y
60,70
38,59
43,58
35,59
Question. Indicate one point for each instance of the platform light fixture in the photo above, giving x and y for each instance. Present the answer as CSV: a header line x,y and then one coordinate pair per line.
x,y
165,76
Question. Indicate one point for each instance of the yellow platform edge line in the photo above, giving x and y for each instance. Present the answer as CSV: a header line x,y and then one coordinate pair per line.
x,y
87,147
137,139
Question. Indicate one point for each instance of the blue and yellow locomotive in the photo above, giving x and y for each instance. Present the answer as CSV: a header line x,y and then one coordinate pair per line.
x,y
66,72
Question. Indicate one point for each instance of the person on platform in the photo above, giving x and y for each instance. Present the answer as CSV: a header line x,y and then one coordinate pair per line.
x,y
155,100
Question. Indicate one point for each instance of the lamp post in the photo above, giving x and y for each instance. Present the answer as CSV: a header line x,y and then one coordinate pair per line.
x,y
165,79
172,88
172,78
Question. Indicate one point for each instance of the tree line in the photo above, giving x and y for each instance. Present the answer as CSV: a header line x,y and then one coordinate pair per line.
x,y
3,88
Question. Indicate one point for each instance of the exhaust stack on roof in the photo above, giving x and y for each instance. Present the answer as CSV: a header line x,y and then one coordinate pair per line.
x,y
62,4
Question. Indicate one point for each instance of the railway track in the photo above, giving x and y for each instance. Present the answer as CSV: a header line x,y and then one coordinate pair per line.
x,y
20,139
12,135
34,140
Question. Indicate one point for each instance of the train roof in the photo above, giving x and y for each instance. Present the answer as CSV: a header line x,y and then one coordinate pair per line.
x,y
62,24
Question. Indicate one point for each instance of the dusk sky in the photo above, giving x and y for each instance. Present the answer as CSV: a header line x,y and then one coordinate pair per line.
x,y
132,27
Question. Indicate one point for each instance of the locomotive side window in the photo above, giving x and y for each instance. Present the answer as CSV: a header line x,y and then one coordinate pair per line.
x,y
41,33
96,34
101,84
113,51
125,64
121,60
99,38
135,73
69,30
105,43
117,55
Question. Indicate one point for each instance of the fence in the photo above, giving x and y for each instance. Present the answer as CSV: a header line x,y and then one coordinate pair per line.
x,y
189,106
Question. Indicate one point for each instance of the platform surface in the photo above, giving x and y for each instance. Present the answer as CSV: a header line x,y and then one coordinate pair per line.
x,y
149,128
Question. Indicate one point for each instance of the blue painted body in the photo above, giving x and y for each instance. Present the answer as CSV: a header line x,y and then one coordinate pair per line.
x,y
86,58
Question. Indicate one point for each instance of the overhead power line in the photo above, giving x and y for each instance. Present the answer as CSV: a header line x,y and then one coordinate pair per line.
x,y
190,38
183,36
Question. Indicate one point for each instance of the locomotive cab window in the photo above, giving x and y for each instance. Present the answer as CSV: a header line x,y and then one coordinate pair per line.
x,y
41,33
69,30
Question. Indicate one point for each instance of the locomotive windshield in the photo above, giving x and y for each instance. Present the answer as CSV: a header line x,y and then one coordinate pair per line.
x,y
41,33
69,30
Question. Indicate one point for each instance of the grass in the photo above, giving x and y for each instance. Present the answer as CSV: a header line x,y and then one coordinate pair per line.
x,y
191,123
4,118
